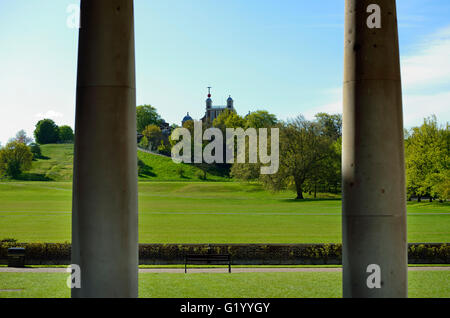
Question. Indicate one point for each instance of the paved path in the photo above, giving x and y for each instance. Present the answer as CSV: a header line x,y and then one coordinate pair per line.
x,y
215,270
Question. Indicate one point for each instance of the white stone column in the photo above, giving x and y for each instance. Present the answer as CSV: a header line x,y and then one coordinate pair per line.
x,y
374,200
104,213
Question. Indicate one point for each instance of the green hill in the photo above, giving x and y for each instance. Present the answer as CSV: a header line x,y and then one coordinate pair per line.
x,y
56,164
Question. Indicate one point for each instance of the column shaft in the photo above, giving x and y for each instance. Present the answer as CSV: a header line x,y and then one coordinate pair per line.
x,y
374,200
104,213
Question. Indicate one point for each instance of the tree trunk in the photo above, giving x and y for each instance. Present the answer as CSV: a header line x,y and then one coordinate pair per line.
x,y
419,199
298,186
315,190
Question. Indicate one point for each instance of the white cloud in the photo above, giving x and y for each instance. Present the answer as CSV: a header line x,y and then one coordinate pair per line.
x,y
51,114
430,65
418,107
331,108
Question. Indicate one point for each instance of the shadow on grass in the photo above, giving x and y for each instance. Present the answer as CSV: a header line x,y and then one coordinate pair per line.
x,y
294,200
145,170
43,158
26,176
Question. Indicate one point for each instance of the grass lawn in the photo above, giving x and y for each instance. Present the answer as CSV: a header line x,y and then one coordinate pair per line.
x,y
56,164
203,212
425,284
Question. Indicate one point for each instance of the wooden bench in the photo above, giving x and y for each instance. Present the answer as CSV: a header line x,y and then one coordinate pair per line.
x,y
207,259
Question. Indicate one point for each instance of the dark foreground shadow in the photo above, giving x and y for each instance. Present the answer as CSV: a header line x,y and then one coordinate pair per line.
x,y
26,176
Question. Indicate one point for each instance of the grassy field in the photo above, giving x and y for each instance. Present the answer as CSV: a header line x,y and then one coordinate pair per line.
x,y
203,212
424,284
56,165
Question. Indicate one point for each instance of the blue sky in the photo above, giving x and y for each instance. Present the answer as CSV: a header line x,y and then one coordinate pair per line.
x,y
285,56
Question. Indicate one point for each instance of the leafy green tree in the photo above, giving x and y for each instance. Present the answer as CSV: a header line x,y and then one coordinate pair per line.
x,y
427,160
331,124
46,132
228,119
164,148
153,134
260,119
144,143
66,134
302,149
326,176
15,158
146,115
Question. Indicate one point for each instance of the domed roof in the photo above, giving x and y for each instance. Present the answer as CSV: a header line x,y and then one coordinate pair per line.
x,y
186,118
229,99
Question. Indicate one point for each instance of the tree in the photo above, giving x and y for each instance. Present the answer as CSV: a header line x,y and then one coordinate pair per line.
x,y
35,150
331,125
147,115
154,135
327,174
144,143
427,160
65,134
302,149
260,119
46,132
15,158
164,148
22,137
228,119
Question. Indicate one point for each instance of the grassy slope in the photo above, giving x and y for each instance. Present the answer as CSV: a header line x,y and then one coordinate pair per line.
x,y
161,168
424,284
203,212
56,165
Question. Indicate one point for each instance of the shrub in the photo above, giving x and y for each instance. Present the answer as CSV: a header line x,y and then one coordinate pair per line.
x,y
201,174
15,157
36,151
8,240
164,148
144,143
180,171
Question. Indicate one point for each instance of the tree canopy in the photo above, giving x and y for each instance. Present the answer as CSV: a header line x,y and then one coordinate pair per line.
x,y
146,115
65,134
153,135
427,158
46,132
15,158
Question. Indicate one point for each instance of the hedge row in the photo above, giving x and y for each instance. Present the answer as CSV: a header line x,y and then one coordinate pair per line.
x,y
250,254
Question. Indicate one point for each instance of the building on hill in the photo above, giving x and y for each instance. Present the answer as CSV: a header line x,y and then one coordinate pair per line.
x,y
186,118
212,112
